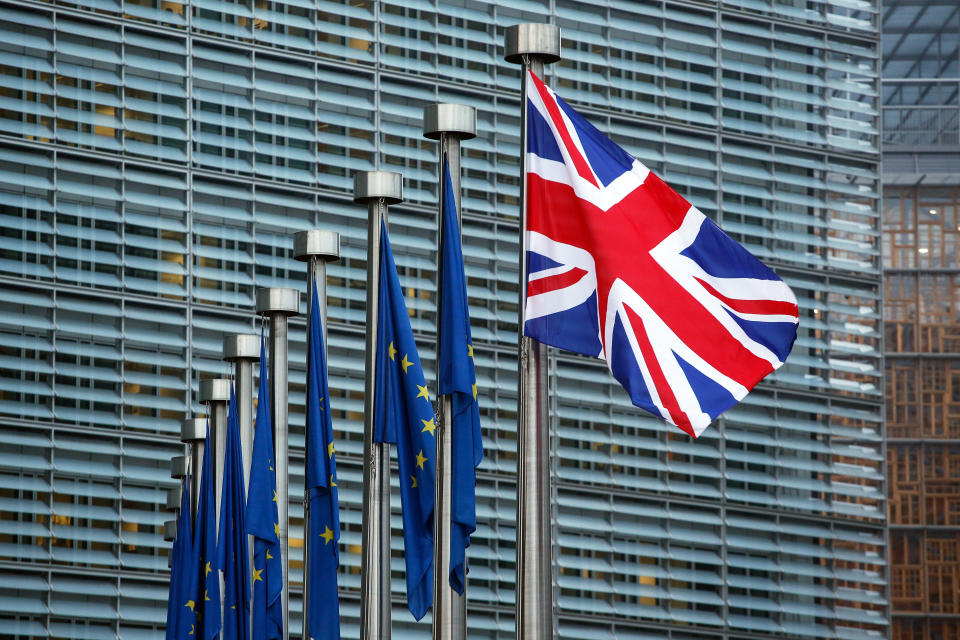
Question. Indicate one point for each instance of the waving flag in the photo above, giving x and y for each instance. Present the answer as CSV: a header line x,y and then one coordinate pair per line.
x,y
232,549
263,523
205,537
323,618
457,377
621,267
404,416
180,618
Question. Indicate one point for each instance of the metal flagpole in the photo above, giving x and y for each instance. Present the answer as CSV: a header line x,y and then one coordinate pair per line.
x,y
450,124
377,189
178,471
242,349
532,46
316,247
194,432
216,394
277,304
170,526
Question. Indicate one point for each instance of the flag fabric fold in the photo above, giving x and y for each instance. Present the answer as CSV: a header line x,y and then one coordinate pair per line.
x,y
263,522
621,267
180,616
404,416
457,377
321,482
232,547
205,538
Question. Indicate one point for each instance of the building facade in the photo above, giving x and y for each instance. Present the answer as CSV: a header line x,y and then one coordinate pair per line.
x,y
156,157
921,238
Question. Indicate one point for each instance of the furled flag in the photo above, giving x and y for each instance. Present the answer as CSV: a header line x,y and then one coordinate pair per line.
x,y
180,618
323,616
263,523
232,549
621,267
205,538
456,376
404,416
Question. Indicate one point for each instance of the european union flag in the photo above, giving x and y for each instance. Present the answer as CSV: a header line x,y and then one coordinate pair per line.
x,y
456,376
263,523
323,617
180,618
403,415
232,547
205,538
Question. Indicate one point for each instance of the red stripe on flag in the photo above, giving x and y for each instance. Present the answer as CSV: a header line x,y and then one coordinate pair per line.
x,y
760,307
552,283
578,160
667,399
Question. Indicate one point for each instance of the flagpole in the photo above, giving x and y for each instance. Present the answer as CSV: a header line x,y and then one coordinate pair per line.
x,y
449,124
316,247
193,432
532,46
215,394
277,304
377,189
170,526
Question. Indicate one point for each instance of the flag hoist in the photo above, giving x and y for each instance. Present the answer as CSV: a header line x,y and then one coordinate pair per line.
x,y
532,46
377,189
450,124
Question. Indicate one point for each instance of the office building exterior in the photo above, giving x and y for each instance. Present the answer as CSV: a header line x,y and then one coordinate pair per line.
x,y
156,157
921,235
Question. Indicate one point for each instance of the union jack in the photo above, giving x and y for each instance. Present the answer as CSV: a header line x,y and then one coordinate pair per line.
x,y
622,268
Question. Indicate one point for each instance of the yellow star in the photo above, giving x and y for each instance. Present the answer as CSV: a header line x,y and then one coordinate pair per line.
x,y
191,630
421,459
332,483
470,350
327,534
234,607
413,480
276,528
392,351
257,575
274,495
206,596
190,604
208,570
269,557
321,404
405,363
330,449
474,390
428,426
423,393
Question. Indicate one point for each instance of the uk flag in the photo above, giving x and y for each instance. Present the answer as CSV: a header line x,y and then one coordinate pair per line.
x,y
621,267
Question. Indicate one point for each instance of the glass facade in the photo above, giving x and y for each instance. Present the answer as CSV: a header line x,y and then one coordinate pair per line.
x,y
156,157
921,247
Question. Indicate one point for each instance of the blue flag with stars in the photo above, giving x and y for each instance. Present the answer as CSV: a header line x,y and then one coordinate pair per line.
x,y
456,376
323,618
404,415
180,618
263,523
205,537
232,546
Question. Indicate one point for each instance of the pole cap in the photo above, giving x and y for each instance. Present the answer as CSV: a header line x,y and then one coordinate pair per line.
x,y
536,39
239,346
374,185
178,467
170,530
459,120
173,499
217,389
321,243
193,429
277,300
